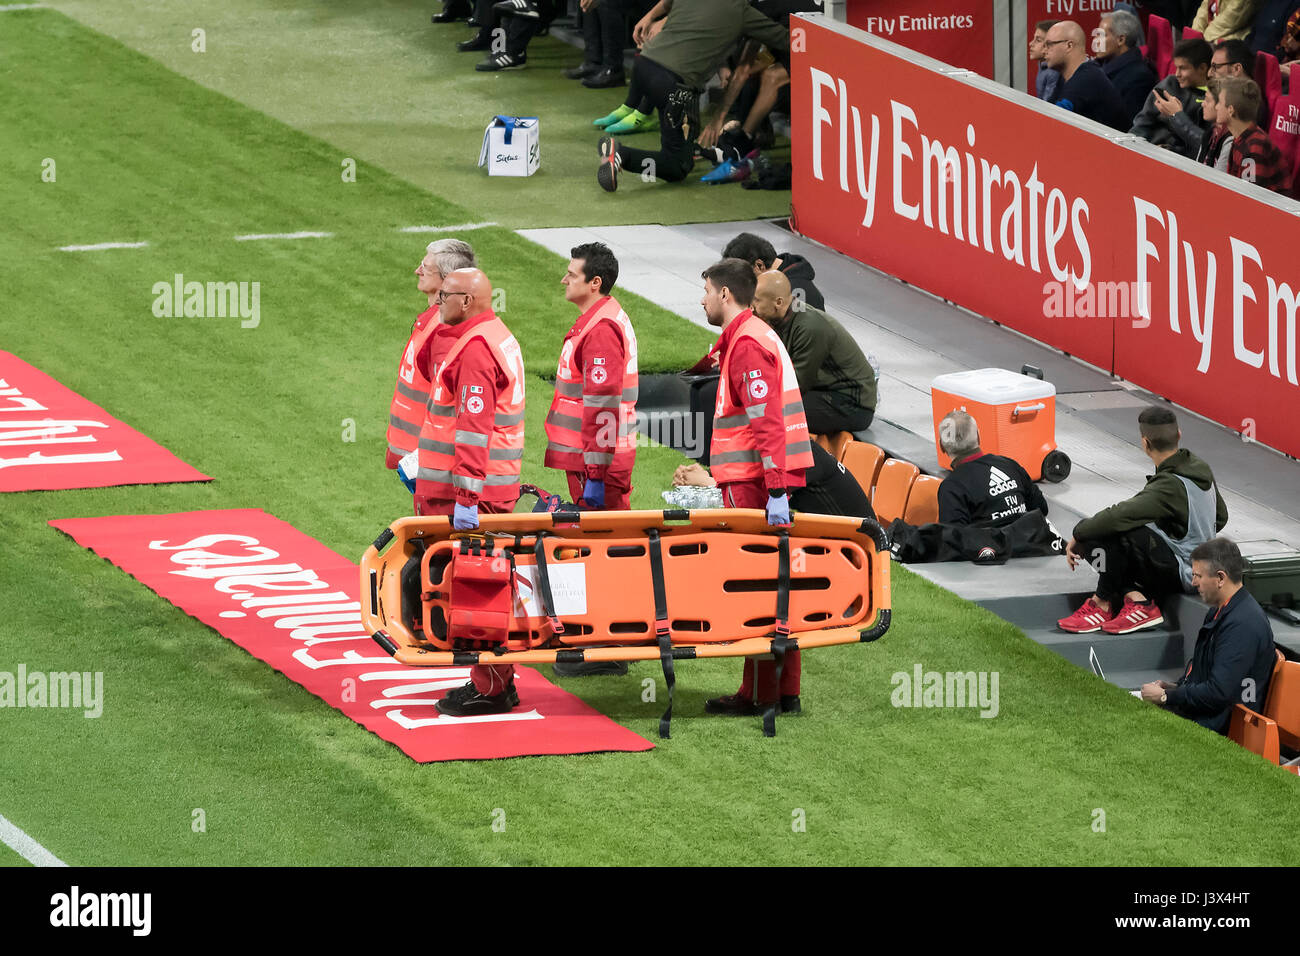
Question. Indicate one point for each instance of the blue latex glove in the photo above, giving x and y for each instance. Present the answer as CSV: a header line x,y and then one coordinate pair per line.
x,y
778,511
465,517
594,493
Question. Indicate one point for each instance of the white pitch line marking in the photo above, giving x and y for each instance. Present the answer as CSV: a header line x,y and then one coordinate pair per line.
x,y
462,227
102,245
22,844
21,6
254,236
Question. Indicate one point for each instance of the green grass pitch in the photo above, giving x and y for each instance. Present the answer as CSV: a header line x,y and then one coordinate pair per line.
x,y
192,722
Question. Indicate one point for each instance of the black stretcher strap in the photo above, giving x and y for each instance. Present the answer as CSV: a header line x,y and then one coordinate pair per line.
x,y
544,586
781,642
662,629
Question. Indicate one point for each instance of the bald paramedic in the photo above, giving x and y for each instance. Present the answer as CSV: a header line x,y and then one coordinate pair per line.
x,y
411,392
472,445
591,427
760,448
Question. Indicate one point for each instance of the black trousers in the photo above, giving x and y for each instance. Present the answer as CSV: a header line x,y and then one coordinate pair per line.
x,y
679,121
516,30
829,489
829,412
1137,560
605,31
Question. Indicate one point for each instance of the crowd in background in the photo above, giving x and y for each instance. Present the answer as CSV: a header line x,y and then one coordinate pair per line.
x,y
1209,107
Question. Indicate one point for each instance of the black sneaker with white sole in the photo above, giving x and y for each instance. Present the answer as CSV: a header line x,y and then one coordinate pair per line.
x,y
518,8
466,701
607,173
501,61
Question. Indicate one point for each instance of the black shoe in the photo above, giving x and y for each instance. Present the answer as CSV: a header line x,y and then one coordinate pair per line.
x,y
473,21
579,72
518,8
502,61
467,702
605,79
451,12
589,668
607,174
790,704
733,705
474,43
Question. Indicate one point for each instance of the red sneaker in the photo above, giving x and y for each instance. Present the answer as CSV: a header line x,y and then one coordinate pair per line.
x,y
1134,617
1090,617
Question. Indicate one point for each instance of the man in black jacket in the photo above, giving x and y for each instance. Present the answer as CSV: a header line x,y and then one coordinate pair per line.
x,y
1084,88
1171,116
1233,659
1122,61
761,254
981,489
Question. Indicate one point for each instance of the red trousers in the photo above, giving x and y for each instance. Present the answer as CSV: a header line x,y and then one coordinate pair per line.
x,y
490,679
758,679
615,500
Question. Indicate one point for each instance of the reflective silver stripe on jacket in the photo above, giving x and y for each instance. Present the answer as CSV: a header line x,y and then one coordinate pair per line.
x,y
438,447
630,394
403,426
754,411
732,457
505,454
404,389
467,484
597,457
731,421
564,421
476,439
1202,507
569,389
600,401
441,411
563,449
504,421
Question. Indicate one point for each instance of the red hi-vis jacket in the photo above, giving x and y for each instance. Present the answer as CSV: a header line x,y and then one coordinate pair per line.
x,y
411,394
591,427
759,429
472,442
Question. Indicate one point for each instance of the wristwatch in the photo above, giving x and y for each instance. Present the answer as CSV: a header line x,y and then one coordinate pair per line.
x,y
1164,697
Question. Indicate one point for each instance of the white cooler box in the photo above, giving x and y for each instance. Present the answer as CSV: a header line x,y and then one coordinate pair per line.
x,y
1016,414
511,146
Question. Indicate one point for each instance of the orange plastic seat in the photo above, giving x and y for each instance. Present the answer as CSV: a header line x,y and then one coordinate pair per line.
x,y
863,461
892,487
1255,732
923,501
835,443
1282,704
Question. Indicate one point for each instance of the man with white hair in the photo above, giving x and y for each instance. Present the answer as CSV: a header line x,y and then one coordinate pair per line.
x,y
981,489
1118,43
411,393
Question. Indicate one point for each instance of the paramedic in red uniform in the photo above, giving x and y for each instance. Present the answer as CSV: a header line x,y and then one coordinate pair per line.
x,y
591,427
472,445
760,447
411,393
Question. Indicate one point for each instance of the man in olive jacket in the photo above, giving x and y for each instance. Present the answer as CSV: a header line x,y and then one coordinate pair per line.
x,y
1142,547
1233,659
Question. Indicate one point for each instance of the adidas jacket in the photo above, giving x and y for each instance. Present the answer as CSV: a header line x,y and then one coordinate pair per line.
x,y
988,490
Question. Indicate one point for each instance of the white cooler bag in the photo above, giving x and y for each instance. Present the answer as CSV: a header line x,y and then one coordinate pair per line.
x,y
511,146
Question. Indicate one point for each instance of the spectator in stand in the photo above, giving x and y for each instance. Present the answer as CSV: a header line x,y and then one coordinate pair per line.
x,y
1288,50
1234,656
981,489
1121,60
673,66
1217,147
1048,80
1172,115
1225,19
1232,59
1142,547
1254,157
1270,22
604,32
1084,88
762,254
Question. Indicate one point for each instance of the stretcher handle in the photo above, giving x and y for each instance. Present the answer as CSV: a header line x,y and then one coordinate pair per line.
x,y
877,533
1025,409
877,630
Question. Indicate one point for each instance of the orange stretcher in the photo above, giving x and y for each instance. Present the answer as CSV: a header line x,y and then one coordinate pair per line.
x,y
622,586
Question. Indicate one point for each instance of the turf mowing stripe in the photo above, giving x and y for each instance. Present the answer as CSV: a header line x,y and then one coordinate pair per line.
x,y
21,843
97,247
8,8
463,227
253,237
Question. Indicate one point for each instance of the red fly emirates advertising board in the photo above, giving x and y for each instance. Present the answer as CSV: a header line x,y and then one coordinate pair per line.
x,y
958,32
1184,283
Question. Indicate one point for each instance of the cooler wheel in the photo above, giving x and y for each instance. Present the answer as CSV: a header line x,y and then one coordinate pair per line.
x,y
1056,466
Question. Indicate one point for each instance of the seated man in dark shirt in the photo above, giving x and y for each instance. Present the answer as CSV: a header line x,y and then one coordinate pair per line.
x,y
1233,659
1084,87
1172,115
1122,60
761,254
981,489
